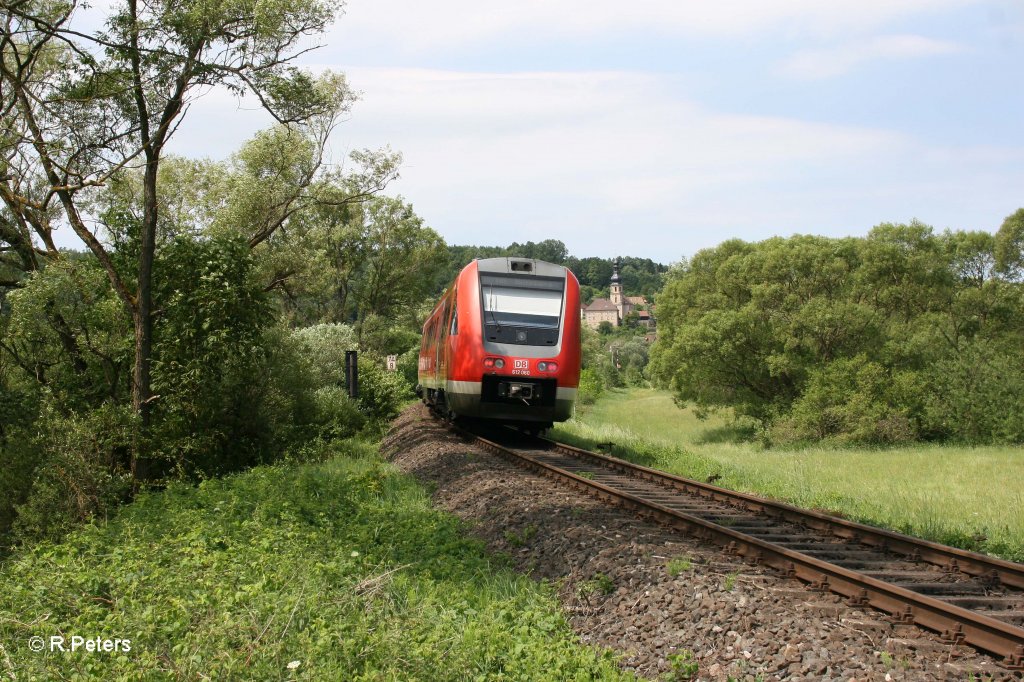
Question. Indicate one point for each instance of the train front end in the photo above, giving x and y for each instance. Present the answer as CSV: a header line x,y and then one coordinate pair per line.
x,y
515,350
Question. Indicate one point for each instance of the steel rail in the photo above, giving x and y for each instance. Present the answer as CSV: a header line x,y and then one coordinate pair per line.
x,y
1007,573
956,625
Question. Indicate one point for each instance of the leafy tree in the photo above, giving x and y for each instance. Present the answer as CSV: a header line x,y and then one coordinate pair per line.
x,y
847,339
394,257
550,250
1009,246
80,106
68,332
591,271
208,358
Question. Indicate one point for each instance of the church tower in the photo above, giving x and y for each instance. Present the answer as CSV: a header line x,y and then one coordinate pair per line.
x,y
616,297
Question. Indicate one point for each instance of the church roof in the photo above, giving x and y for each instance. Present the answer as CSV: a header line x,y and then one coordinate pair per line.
x,y
600,305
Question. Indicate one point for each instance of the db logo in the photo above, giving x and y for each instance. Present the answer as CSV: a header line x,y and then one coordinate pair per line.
x,y
520,364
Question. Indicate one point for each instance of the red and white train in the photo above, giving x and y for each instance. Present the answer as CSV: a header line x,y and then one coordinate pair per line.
x,y
503,343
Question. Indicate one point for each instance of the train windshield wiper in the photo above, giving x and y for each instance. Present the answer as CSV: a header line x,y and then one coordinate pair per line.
x,y
489,307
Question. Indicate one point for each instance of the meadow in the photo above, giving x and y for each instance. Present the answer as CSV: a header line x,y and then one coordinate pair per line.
x,y
325,571
969,497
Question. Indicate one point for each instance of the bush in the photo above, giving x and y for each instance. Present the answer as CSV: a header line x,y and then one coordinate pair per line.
x,y
978,395
210,360
337,415
409,365
591,388
323,349
848,401
82,470
381,393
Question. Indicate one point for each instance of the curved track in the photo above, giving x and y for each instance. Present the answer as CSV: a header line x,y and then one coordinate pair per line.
x,y
966,597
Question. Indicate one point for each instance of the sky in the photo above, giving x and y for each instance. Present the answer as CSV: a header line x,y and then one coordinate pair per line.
x,y
654,128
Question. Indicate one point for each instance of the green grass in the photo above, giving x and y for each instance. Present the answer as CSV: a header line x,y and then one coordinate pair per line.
x,y
339,570
678,565
970,497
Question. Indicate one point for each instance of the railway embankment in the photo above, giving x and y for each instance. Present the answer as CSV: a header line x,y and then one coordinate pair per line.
x,y
669,604
331,570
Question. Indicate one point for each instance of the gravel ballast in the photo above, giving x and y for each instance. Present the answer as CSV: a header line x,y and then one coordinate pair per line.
x,y
669,604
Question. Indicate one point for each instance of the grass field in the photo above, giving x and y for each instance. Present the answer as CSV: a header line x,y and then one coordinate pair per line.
x,y
970,497
334,571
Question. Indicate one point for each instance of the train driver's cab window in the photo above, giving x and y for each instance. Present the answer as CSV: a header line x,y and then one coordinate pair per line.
x,y
455,321
522,307
522,310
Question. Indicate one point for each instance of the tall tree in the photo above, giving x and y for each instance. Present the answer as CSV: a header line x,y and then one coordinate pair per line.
x,y
80,105
1009,246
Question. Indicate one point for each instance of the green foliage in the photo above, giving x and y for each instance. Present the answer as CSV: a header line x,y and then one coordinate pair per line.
x,y
1009,246
591,387
599,584
678,565
683,664
79,470
336,415
640,276
849,399
381,393
978,394
68,332
323,347
372,265
408,365
209,361
852,340
342,567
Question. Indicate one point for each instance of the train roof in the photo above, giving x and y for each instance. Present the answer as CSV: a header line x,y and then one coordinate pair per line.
x,y
520,266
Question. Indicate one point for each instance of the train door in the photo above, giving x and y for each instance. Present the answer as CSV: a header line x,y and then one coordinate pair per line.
x,y
451,333
441,349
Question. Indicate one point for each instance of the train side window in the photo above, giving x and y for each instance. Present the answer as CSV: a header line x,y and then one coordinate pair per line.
x,y
455,321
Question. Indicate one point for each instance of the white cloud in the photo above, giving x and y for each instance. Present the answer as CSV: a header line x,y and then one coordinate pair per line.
x,y
416,27
622,162
831,62
580,156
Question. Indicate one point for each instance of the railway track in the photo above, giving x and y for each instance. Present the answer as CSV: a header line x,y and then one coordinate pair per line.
x,y
967,598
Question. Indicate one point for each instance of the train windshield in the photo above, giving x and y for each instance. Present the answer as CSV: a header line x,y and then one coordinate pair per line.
x,y
522,301
522,307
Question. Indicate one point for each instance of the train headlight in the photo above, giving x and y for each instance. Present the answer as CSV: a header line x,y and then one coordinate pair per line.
x,y
499,363
494,363
547,366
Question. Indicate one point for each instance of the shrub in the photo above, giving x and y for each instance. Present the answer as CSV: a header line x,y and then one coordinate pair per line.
x,y
337,415
591,388
848,400
210,359
323,349
82,472
978,395
408,366
381,393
